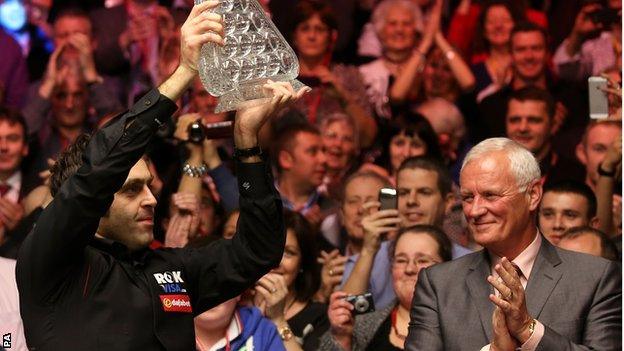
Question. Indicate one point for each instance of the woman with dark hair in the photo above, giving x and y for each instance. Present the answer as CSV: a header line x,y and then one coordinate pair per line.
x,y
284,295
491,57
413,249
335,88
409,134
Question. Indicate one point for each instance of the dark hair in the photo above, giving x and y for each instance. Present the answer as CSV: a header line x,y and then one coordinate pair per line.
x,y
527,26
306,9
574,187
533,93
607,247
445,248
286,138
68,163
12,116
411,124
480,43
308,279
71,12
445,183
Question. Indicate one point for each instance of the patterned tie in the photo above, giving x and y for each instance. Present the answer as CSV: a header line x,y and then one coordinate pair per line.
x,y
4,188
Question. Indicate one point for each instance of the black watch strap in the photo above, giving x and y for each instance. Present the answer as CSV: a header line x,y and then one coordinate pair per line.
x,y
244,153
604,173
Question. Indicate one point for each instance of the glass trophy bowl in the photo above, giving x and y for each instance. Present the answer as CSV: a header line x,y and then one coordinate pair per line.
x,y
254,52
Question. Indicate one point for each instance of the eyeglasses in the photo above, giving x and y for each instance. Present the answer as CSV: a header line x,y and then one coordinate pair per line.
x,y
421,261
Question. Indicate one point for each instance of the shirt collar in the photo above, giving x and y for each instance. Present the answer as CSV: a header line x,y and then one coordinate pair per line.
x,y
15,180
233,331
526,258
312,200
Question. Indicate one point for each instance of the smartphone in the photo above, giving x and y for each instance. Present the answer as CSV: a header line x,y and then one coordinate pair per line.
x,y
598,101
388,199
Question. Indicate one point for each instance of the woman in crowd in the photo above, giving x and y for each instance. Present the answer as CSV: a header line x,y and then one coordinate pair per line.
x,y
284,295
409,134
335,88
413,249
394,74
492,60
342,147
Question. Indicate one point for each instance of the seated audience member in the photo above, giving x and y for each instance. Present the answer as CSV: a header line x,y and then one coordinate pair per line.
x,y
336,88
490,58
594,44
344,231
424,194
11,322
448,123
16,179
592,149
407,135
284,295
301,168
590,241
414,249
73,55
342,147
465,26
455,306
566,205
530,122
403,56
231,327
529,56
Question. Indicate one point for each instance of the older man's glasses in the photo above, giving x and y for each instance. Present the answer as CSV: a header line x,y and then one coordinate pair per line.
x,y
421,261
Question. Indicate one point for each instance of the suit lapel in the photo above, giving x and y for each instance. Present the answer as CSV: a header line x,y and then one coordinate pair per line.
x,y
479,290
544,277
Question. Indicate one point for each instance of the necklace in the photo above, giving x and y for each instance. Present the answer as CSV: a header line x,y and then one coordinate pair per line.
x,y
393,318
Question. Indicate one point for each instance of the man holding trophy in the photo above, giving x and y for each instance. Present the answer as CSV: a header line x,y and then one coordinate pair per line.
x,y
86,278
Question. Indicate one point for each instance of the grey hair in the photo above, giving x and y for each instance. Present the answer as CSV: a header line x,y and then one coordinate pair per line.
x,y
523,164
341,117
443,116
381,12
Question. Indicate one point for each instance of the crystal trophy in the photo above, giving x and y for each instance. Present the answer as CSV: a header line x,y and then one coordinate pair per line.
x,y
254,52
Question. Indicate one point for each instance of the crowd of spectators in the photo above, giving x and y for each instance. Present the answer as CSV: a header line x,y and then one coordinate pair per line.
x,y
401,91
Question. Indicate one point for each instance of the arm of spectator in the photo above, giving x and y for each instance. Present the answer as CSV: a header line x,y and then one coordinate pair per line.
x,y
224,181
184,223
605,186
35,112
341,323
568,59
188,183
406,81
463,74
375,224
17,83
462,25
333,267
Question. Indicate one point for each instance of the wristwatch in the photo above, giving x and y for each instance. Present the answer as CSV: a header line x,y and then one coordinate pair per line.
x,y
285,333
604,173
244,153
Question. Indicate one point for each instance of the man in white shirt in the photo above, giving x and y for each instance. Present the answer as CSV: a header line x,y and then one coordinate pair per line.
x,y
11,328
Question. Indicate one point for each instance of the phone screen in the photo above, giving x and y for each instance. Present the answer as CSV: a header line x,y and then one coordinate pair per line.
x,y
598,101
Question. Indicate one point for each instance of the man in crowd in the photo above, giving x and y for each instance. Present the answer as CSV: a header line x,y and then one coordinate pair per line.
x,y
529,57
530,122
16,178
97,275
593,148
423,197
514,287
301,166
590,241
564,206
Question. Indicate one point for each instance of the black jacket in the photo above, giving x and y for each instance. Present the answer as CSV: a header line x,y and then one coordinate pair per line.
x,y
82,293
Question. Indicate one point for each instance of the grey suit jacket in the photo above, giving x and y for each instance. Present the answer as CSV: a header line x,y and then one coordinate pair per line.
x,y
577,297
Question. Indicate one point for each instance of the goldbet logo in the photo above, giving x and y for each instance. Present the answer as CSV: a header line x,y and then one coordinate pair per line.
x,y
176,303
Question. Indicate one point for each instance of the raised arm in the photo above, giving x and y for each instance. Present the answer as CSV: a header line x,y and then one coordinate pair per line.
x,y
70,221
